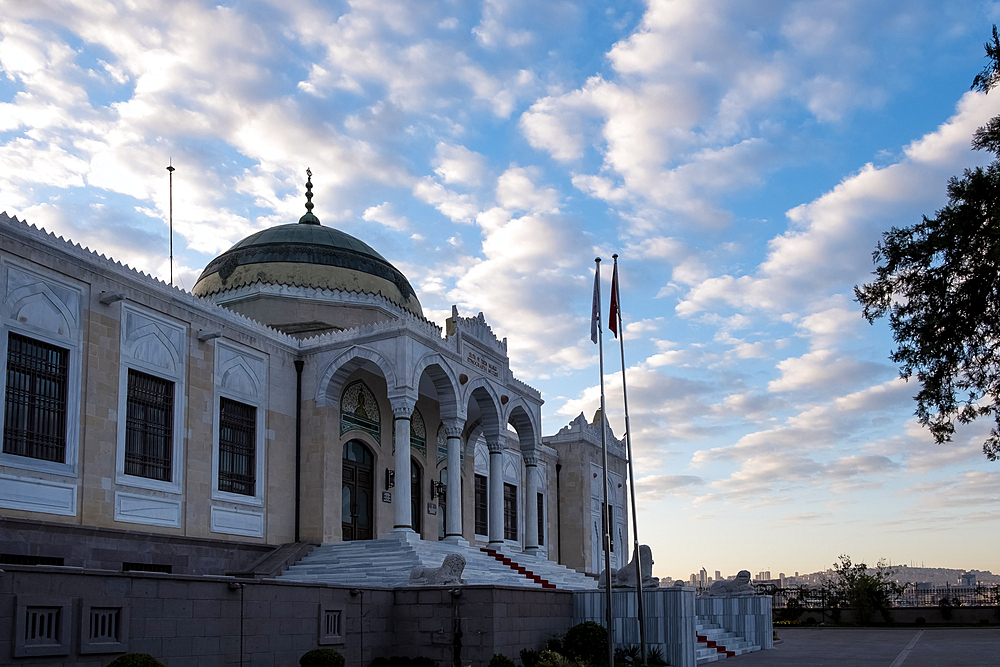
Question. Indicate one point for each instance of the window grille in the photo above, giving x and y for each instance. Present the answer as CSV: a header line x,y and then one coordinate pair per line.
x,y
105,624
35,403
20,559
482,507
237,447
509,512
149,426
41,626
146,567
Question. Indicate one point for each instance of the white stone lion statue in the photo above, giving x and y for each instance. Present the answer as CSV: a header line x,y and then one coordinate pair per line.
x,y
626,577
738,587
449,574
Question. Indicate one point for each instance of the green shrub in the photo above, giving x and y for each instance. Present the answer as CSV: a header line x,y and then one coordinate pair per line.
x,y
554,644
500,660
588,642
321,657
136,660
920,620
810,620
654,656
529,657
984,621
404,661
548,658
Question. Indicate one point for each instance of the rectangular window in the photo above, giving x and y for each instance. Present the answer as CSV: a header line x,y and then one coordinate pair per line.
x,y
149,440
34,422
237,447
541,520
482,507
509,512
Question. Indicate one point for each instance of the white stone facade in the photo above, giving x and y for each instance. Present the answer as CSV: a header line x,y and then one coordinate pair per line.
x,y
275,474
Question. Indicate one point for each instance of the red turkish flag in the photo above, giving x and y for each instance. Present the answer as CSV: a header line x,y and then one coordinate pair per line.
x,y
613,316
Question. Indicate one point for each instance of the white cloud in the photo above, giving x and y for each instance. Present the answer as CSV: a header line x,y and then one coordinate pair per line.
x,y
457,164
385,214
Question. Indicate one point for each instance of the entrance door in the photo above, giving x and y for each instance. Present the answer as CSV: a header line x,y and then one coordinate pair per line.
x,y
415,497
357,491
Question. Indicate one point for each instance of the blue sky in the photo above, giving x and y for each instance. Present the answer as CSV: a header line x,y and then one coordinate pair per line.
x,y
742,159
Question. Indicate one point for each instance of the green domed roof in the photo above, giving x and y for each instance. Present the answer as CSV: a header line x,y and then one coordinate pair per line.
x,y
307,254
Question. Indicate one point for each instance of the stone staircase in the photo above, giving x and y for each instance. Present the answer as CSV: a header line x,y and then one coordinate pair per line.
x,y
716,643
558,576
387,563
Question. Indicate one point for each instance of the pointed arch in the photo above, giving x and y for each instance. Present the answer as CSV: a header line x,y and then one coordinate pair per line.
x,y
333,378
38,306
482,398
523,422
445,382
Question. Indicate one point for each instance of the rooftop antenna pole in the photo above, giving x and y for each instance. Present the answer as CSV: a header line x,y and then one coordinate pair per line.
x,y
170,169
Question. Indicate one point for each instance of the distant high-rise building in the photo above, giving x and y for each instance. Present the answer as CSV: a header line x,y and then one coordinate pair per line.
x,y
764,575
703,576
718,576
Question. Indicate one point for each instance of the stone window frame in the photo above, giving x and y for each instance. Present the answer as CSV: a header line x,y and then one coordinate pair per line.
x,y
72,341
87,644
326,637
178,375
65,631
252,393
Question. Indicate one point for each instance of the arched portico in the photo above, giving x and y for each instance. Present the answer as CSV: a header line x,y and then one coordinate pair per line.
x,y
334,377
521,420
434,368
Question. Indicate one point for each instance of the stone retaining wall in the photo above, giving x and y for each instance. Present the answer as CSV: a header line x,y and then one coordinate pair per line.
x,y
214,621
669,615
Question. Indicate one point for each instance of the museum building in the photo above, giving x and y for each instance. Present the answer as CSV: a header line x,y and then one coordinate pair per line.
x,y
297,395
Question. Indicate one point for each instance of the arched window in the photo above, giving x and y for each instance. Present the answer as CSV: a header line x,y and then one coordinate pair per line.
x,y
359,410
418,433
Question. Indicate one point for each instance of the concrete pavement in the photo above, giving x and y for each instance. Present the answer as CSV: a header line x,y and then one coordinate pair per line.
x,y
879,647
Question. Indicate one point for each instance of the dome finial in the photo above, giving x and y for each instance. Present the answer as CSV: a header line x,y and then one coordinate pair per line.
x,y
309,218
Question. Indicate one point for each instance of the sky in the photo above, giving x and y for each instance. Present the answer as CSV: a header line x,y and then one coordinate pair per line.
x,y
742,159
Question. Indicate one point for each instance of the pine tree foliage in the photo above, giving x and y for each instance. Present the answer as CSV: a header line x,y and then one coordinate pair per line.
x,y
938,281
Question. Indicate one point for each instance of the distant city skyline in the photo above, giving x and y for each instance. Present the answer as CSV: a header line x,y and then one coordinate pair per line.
x,y
741,158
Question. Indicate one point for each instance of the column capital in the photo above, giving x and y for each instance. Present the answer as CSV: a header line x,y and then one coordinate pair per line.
x,y
402,403
530,460
494,443
453,428
402,411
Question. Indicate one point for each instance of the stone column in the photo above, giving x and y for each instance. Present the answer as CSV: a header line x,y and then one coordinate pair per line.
x,y
495,444
531,504
402,410
453,527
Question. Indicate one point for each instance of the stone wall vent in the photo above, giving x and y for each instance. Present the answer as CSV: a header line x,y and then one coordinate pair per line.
x,y
41,626
105,624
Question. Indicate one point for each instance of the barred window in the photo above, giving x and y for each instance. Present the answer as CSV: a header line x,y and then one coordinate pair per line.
x,y
149,428
482,508
237,447
509,512
34,422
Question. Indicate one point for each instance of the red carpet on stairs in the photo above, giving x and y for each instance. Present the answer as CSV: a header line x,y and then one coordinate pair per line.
x,y
516,567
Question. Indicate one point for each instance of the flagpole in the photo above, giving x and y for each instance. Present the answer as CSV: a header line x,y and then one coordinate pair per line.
x,y
596,322
620,334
